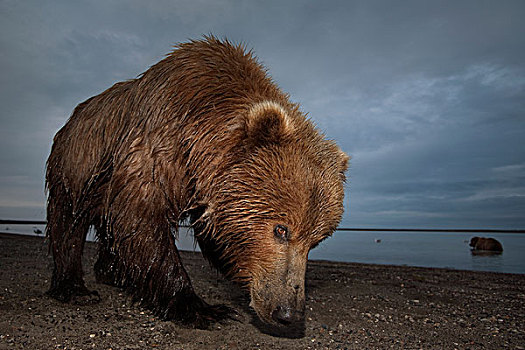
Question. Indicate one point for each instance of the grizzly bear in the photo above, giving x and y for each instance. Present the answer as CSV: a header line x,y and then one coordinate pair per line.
x,y
203,137
485,244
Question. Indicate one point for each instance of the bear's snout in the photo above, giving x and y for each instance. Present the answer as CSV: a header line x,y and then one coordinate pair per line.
x,y
278,296
281,308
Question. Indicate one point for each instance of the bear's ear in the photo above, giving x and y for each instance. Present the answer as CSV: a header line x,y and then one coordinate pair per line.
x,y
344,161
266,123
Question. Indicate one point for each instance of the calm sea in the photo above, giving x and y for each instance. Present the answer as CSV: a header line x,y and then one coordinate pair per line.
x,y
427,249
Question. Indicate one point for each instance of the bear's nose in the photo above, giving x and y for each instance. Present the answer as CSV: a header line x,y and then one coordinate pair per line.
x,y
283,315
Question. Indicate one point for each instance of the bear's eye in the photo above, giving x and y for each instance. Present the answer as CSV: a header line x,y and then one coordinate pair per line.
x,y
281,233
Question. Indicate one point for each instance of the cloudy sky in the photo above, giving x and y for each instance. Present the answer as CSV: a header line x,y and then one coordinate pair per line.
x,y
428,97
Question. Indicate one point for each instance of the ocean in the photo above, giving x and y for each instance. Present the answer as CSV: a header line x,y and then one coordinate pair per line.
x,y
425,249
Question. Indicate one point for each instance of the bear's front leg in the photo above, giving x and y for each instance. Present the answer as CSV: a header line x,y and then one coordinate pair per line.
x,y
148,264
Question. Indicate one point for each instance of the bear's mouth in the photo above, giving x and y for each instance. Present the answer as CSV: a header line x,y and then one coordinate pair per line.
x,y
268,325
276,312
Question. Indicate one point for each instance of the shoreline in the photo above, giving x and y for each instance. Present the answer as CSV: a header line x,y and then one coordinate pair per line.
x,y
185,241
348,305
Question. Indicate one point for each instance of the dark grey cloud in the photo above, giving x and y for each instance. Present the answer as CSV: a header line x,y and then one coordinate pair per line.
x,y
428,97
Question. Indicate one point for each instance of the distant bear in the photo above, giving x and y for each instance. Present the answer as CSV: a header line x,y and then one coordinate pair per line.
x,y
205,137
487,244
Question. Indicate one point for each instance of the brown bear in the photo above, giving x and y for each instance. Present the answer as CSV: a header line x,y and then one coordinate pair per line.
x,y
486,244
206,137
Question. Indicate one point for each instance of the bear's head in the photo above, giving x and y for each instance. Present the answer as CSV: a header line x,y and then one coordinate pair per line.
x,y
280,198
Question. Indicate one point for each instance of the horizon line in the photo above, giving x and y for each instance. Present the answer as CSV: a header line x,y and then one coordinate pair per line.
x,y
353,229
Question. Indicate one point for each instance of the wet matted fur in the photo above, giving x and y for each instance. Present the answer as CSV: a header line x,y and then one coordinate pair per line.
x,y
486,244
206,136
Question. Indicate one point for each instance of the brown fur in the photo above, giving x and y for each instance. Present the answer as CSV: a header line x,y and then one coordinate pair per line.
x,y
204,135
488,244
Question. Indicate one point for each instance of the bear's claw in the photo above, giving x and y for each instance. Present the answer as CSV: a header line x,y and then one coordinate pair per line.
x,y
194,312
75,294
211,314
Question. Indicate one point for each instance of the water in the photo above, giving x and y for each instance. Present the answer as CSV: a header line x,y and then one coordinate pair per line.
x,y
427,249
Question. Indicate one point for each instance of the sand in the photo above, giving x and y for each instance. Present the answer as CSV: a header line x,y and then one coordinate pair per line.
x,y
348,306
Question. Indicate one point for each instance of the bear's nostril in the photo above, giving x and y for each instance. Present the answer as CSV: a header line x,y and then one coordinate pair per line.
x,y
282,315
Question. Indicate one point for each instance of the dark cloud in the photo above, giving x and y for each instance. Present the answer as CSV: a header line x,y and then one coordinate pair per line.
x,y
428,97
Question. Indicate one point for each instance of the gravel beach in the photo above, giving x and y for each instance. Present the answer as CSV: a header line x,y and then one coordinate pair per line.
x,y
348,306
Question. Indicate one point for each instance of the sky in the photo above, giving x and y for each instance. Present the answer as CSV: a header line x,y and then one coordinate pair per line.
x,y
428,97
